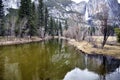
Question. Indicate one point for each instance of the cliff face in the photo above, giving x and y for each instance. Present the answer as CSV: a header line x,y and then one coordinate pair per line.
x,y
65,9
109,7
88,10
11,3
114,8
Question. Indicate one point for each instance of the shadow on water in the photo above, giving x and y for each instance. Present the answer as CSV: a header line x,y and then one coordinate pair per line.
x,y
54,60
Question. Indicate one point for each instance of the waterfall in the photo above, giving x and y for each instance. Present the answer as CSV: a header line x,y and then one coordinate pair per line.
x,y
86,14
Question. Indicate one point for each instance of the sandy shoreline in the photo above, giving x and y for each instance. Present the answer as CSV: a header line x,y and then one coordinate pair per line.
x,y
22,40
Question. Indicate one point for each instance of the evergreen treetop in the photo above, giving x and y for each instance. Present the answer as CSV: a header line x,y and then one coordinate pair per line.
x,y
1,9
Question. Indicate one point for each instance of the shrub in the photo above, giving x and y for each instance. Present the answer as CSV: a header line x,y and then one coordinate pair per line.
x,y
117,31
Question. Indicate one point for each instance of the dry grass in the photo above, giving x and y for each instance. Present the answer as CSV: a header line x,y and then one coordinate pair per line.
x,y
13,40
111,50
100,38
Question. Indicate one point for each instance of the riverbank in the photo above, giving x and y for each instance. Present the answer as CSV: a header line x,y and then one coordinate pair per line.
x,y
88,47
13,40
84,46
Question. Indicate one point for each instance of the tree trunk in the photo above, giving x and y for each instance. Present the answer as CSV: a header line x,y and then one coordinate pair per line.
x,y
104,31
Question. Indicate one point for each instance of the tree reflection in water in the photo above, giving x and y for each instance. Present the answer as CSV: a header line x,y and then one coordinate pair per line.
x,y
99,67
51,60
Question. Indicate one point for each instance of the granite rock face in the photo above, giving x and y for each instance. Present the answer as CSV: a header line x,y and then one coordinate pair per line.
x,y
64,9
111,8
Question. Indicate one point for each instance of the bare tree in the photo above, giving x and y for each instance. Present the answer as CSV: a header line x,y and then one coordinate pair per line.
x,y
103,16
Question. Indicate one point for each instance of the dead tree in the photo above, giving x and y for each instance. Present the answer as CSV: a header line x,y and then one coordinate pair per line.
x,y
103,16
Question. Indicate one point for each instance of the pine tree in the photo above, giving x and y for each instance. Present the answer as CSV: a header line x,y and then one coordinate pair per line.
x,y
40,14
46,21
66,25
57,28
24,10
2,29
51,32
32,21
60,28
1,10
24,13
54,27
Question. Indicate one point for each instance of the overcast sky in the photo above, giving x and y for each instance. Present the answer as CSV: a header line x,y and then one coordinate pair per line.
x,y
77,1
119,1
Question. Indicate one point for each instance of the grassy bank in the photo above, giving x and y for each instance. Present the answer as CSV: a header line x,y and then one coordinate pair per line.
x,y
88,47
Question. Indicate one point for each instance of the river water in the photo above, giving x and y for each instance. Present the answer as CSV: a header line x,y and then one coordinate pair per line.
x,y
54,60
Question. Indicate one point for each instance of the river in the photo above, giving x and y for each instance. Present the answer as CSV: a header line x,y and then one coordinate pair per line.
x,y
54,60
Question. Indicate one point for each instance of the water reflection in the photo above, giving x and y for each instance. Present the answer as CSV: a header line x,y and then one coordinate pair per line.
x,y
78,74
49,60
12,71
97,67
102,64
1,68
52,60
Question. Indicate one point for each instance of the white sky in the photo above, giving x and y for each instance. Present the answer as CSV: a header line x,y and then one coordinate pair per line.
x,y
118,1
77,1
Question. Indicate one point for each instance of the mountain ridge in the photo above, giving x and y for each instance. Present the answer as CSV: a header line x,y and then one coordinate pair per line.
x,y
64,9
